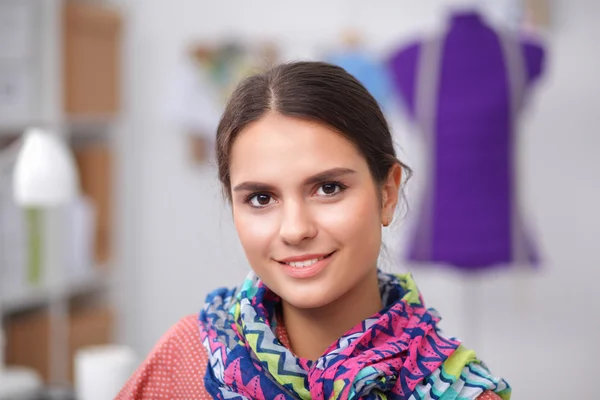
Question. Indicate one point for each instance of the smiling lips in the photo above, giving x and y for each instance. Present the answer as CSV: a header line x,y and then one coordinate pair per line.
x,y
306,266
304,261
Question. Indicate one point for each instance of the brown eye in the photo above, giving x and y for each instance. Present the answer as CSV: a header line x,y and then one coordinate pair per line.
x,y
260,200
329,189
263,199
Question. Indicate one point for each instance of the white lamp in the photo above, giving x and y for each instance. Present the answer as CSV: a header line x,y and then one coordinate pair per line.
x,y
45,176
45,171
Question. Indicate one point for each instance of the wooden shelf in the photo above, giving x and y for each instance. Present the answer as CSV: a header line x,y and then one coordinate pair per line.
x,y
40,296
16,127
74,87
76,122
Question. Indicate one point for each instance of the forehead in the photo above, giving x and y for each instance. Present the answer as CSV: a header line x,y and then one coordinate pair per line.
x,y
279,147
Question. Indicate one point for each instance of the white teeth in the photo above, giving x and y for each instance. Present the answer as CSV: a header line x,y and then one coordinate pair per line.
x,y
306,263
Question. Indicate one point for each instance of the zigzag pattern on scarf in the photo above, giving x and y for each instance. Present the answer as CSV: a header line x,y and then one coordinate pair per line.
x,y
381,343
278,362
397,353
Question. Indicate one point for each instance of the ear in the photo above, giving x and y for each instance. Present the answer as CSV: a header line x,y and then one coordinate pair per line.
x,y
390,192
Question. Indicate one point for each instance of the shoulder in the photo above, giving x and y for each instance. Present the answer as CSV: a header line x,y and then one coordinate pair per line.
x,y
488,395
174,368
534,53
408,52
403,62
402,68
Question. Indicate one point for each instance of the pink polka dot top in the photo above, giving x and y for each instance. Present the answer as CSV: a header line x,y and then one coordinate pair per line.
x,y
175,368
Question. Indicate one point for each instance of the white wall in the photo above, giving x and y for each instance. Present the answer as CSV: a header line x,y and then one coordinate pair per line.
x,y
178,242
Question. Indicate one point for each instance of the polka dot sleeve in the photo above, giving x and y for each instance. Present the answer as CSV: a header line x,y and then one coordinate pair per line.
x,y
174,369
489,396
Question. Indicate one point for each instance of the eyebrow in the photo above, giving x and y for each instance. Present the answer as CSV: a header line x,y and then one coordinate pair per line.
x,y
328,175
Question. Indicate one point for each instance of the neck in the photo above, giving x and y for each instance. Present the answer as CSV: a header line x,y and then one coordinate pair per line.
x,y
469,16
312,331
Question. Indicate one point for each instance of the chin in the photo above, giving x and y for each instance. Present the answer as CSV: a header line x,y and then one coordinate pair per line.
x,y
307,297
306,304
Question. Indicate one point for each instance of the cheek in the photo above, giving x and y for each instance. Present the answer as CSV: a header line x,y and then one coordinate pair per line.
x,y
354,220
255,232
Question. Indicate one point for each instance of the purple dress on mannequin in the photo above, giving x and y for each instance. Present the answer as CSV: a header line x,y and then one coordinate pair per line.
x,y
465,89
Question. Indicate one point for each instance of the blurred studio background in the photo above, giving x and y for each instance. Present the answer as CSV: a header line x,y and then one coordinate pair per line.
x,y
135,88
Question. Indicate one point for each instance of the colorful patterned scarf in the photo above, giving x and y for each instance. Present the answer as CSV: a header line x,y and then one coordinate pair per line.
x,y
397,353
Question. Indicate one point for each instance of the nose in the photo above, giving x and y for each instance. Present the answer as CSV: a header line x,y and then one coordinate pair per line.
x,y
297,223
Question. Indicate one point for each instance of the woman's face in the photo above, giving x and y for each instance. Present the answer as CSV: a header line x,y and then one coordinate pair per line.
x,y
306,209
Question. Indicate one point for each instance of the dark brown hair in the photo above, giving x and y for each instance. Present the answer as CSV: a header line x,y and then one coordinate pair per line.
x,y
314,91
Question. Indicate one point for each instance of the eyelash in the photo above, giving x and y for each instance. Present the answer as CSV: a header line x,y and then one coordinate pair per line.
x,y
339,184
336,183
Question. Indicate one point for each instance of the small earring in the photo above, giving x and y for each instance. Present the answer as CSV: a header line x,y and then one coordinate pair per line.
x,y
386,221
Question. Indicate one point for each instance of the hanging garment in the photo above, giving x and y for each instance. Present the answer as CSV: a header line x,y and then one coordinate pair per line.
x,y
371,73
465,90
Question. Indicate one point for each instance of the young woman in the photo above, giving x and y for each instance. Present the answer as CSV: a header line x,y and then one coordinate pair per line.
x,y
307,163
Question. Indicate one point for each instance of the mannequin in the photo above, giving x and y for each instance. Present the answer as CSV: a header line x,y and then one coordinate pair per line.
x,y
465,89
